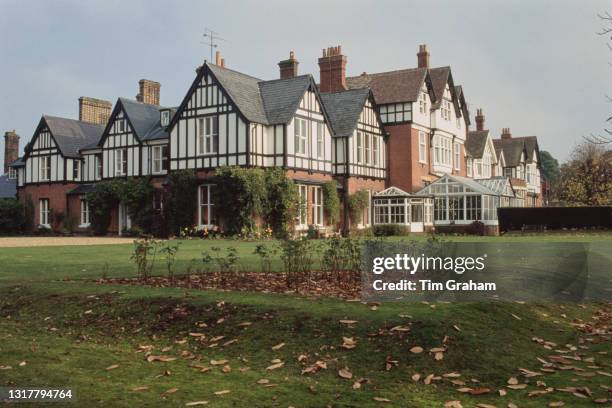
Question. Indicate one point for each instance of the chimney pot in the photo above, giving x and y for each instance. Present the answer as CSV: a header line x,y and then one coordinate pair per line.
x,y
506,133
332,69
94,110
289,67
11,149
149,92
423,56
218,58
480,119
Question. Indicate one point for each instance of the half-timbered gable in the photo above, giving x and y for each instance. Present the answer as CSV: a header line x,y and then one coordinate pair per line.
x,y
359,144
481,155
134,142
53,153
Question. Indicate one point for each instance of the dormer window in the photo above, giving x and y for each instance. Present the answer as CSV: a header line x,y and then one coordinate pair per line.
x,y
165,117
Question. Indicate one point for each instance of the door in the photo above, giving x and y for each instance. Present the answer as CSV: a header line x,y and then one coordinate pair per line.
x,y
125,223
416,214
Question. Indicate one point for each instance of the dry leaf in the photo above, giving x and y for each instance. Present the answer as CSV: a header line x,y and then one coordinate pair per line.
x,y
244,324
516,317
480,391
513,381
348,321
196,403
416,350
451,375
275,366
453,404
400,329
439,356
218,362
556,404
345,373
263,381
171,391
163,359
226,368
222,392
278,346
381,399
112,367
517,386
416,377
140,388
502,393
428,379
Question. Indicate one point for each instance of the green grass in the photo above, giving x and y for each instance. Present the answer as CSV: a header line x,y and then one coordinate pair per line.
x,y
69,331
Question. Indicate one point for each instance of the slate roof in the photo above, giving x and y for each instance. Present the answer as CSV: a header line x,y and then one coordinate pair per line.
x,y
266,102
8,187
72,135
344,109
512,149
390,87
145,119
475,143
281,97
439,79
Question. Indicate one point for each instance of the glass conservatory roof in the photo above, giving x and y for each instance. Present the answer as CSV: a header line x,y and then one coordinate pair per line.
x,y
456,185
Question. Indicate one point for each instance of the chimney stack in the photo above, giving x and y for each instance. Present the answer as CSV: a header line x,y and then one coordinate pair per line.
x,y
94,110
149,92
11,149
423,56
480,119
506,133
218,58
332,66
289,67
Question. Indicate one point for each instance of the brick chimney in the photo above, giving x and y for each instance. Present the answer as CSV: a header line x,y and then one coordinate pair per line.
x,y
148,92
94,110
506,133
332,66
423,56
480,119
11,149
289,67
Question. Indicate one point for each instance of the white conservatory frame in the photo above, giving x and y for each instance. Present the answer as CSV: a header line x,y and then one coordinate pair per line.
x,y
461,201
395,206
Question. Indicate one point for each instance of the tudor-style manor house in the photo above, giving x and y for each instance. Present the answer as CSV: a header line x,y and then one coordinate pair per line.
x,y
402,136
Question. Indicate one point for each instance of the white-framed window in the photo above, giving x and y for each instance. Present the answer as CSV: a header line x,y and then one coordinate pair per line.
x,y
12,173
303,213
360,147
205,206
76,170
301,136
317,206
44,163
423,102
44,211
121,126
160,158
98,160
375,150
442,150
422,147
469,167
84,213
457,156
121,162
165,118
320,139
208,135
368,149
446,109
486,165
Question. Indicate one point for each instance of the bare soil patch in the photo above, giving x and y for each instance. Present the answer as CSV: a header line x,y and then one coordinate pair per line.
x,y
14,242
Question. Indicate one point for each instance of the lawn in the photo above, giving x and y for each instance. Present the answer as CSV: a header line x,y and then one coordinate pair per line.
x,y
60,328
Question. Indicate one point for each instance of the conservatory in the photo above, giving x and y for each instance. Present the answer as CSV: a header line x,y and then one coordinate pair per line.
x,y
395,206
461,201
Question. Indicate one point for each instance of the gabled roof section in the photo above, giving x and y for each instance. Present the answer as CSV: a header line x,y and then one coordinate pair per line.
x,y
476,142
512,149
243,90
499,185
531,146
71,135
394,86
439,78
281,97
144,118
344,109
464,108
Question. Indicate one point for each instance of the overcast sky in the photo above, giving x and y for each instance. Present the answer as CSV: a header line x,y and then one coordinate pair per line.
x,y
537,67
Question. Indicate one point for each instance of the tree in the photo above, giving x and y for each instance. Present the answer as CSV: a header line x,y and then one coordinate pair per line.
x,y
606,31
586,179
550,166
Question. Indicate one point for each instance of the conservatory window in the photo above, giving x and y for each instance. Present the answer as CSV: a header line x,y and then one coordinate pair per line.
x,y
455,208
440,209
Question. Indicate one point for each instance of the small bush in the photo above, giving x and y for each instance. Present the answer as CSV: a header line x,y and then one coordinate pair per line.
x,y
357,203
476,228
145,251
11,215
297,259
388,230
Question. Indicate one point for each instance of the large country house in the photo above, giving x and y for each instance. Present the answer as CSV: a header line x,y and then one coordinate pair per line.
x,y
402,136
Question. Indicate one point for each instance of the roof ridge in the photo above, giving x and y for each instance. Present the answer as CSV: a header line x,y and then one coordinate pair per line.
x,y
286,79
388,72
233,70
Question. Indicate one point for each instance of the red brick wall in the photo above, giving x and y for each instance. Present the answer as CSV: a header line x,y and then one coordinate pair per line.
x,y
405,170
55,192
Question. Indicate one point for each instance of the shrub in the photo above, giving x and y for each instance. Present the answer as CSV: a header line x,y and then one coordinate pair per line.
x,y
357,203
282,202
331,203
227,262
170,250
11,215
265,253
145,251
28,214
476,228
297,259
387,230
137,195
105,196
181,199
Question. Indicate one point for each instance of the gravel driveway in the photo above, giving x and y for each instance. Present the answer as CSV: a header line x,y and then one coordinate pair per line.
x,y
13,242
